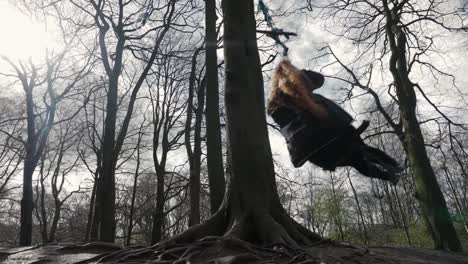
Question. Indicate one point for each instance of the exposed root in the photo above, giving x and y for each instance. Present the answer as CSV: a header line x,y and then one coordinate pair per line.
x,y
214,226
4,254
271,232
193,253
92,245
222,250
278,235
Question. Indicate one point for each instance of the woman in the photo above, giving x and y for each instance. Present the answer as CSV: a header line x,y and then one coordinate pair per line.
x,y
318,130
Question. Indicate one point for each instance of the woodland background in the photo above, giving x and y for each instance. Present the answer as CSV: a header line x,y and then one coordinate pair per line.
x,y
149,56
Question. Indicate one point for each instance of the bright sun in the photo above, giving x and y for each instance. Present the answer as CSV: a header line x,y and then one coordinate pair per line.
x,y
22,37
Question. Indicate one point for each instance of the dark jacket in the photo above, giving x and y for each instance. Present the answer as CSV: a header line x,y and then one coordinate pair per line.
x,y
308,139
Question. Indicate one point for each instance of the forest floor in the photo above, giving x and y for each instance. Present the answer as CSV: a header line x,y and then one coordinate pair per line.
x,y
224,251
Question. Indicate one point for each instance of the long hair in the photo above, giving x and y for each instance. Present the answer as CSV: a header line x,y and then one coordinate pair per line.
x,y
289,85
284,78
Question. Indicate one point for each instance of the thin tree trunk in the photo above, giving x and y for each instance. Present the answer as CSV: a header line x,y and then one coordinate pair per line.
x,y
158,216
393,212
455,196
55,220
92,223
194,216
361,216
43,215
89,223
194,155
213,130
134,191
403,217
159,122
337,214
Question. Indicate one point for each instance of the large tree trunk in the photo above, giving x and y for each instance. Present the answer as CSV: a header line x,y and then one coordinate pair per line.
x,y
252,198
251,209
105,195
428,192
27,205
213,132
28,170
104,210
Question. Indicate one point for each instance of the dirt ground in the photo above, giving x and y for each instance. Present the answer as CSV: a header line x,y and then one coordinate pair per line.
x,y
226,252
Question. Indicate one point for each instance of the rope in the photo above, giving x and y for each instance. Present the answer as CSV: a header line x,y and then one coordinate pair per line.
x,y
275,32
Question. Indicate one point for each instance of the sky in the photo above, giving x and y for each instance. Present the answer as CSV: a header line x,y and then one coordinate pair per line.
x,y
23,37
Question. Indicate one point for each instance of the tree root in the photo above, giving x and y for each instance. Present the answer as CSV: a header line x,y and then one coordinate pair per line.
x,y
92,245
255,234
194,252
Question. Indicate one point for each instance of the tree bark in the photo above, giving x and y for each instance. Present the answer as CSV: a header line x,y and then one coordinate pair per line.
x,y
29,166
134,189
104,210
105,196
213,130
428,192
111,147
89,223
42,217
55,220
158,215
360,214
194,156
26,206
403,217
337,212
35,144
251,208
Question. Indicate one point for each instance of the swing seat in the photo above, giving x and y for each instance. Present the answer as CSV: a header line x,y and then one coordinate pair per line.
x,y
311,140
318,145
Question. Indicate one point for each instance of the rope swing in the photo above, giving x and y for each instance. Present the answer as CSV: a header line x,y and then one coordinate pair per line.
x,y
275,32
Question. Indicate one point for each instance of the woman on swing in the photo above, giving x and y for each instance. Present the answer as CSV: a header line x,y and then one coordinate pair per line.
x,y
318,130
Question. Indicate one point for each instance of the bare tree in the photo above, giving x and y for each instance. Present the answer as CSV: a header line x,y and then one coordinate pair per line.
x,y
251,209
194,154
12,123
138,158
56,164
167,108
213,129
121,28
399,32
54,83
